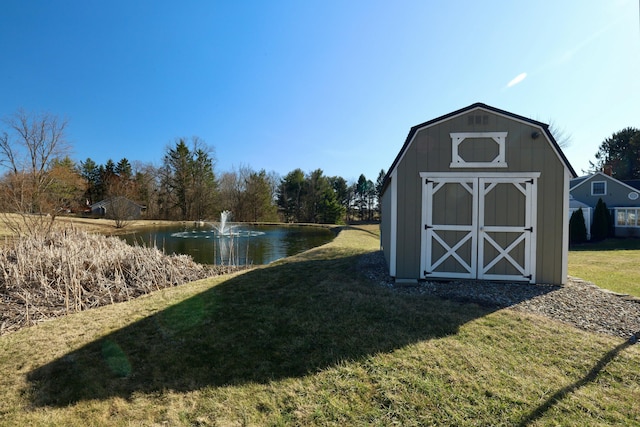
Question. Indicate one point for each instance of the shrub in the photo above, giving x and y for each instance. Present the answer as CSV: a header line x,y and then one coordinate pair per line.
x,y
577,227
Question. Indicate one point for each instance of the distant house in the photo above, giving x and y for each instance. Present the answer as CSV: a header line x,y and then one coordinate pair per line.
x,y
118,207
479,193
621,197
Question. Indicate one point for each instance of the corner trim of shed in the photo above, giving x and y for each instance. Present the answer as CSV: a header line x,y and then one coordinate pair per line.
x,y
394,224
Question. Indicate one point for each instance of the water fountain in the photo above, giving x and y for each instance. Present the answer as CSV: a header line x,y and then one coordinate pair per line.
x,y
221,227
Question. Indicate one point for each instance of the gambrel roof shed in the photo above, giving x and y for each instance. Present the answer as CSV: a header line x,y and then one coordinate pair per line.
x,y
479,193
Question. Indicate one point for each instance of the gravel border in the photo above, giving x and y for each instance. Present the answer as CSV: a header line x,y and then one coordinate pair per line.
x,y
578,302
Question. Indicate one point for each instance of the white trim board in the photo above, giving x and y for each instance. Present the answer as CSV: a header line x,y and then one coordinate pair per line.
x,y
394,225
477,231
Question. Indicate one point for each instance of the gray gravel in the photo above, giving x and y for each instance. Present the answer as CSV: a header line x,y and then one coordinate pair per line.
x,y
579,303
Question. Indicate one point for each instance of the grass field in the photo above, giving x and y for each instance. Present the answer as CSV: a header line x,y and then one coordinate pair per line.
x,y
613,264
308,341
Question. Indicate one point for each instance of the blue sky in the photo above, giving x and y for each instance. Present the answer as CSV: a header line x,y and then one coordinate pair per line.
x,y
334,85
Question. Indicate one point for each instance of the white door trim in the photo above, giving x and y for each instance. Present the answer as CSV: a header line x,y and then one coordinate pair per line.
x,y
474,182
430,233
525,231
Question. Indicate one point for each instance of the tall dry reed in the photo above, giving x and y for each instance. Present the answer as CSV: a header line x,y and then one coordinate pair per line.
x,y
71,270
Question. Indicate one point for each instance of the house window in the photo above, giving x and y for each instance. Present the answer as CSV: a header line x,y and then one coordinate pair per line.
x,y
599,188
627,217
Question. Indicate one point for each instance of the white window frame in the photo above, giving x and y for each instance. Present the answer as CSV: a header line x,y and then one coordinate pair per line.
x,y
625,212
458,162
604,188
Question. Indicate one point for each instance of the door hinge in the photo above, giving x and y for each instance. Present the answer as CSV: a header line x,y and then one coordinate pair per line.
x,y
426,181
530,181
426,227
425,272
528,277
530,229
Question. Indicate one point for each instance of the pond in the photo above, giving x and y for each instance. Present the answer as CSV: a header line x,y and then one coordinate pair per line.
x,y
244,244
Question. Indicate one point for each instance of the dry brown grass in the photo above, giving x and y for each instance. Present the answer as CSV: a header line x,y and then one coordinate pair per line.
x,y
73,270
107,226
94,225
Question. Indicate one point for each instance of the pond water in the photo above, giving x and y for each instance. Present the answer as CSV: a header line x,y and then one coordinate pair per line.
x,y
244,244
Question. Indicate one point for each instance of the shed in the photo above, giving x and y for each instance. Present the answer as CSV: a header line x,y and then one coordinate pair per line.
x,y
479,193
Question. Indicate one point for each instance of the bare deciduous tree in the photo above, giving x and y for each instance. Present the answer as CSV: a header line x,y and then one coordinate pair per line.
x,y
28,146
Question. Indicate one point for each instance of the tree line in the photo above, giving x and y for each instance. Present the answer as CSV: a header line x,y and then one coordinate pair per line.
x,y
186,187
40,180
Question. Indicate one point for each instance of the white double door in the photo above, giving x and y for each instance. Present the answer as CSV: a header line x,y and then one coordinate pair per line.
x,y
478,226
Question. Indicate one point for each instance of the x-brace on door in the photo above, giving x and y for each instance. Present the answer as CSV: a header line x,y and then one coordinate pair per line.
x,y
478,227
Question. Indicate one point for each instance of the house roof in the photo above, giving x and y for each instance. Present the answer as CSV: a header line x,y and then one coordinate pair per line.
x,y
575,204
105,202
635,183
478,105
577,182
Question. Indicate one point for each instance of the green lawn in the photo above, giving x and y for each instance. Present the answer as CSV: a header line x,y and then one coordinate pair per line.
x,y
613,264
309,341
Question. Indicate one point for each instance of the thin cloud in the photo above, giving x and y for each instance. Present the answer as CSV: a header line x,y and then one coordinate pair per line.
x,y
517,79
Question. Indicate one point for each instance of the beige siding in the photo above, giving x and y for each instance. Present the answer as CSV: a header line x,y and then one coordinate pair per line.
x,y
409,215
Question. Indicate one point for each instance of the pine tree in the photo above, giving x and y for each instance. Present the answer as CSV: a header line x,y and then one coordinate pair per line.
x,y
577,228
188,179
621,152
601,221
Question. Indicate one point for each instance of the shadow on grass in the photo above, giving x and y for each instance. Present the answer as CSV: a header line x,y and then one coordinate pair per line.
x,y
286,320
610,244
361,229
558,396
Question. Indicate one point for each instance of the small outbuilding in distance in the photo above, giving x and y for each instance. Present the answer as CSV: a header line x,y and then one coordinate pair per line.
x,y
479,193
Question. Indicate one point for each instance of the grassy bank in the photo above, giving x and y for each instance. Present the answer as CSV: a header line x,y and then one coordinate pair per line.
x,y
308,341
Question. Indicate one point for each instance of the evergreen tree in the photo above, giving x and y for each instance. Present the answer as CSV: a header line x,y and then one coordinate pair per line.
x,y
203,189
178,180
379,185
123,169
291,194
316,184
258,196
601,221
330,210
380,182
621,152
322,204
90,171
341,191
188,180
577,227
362,191
109,168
